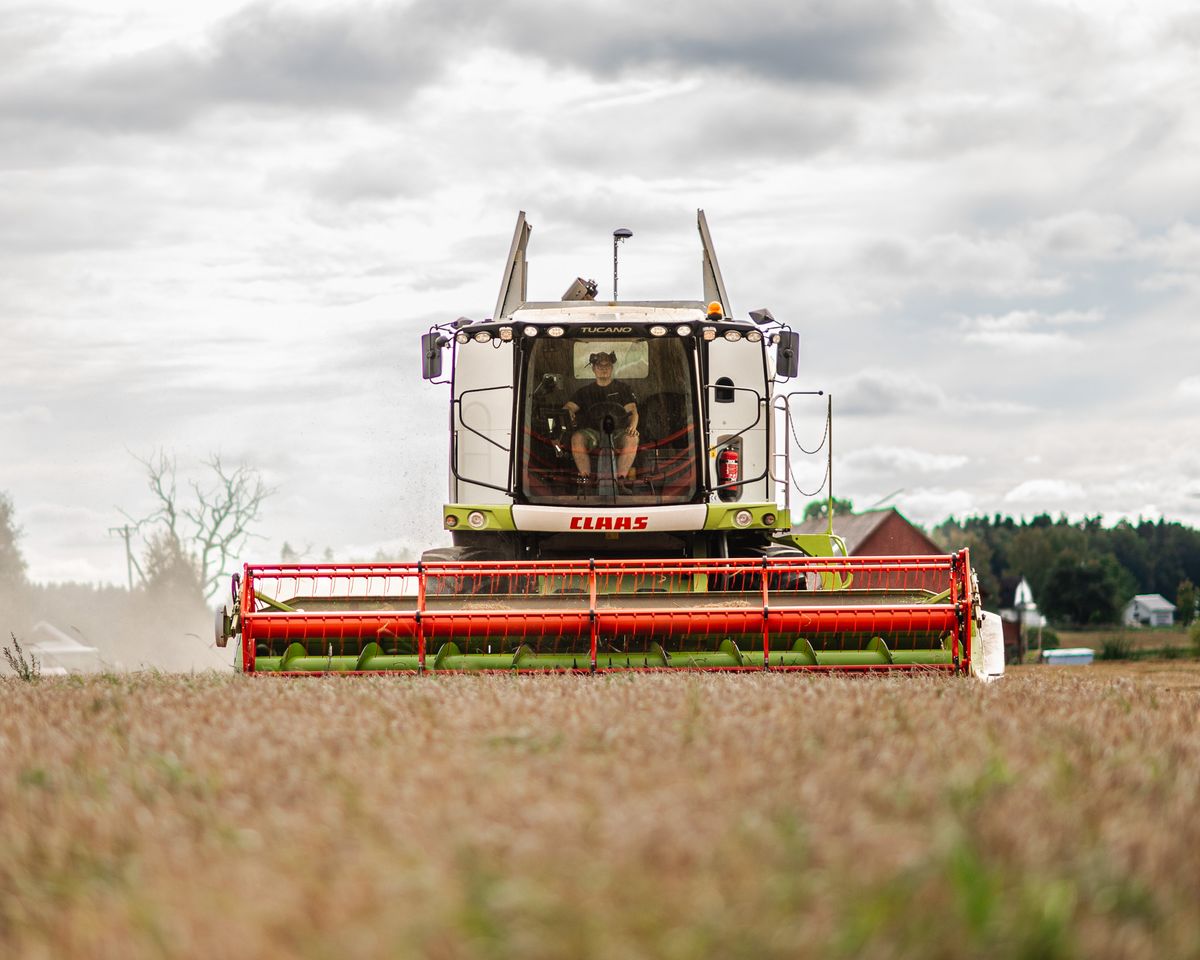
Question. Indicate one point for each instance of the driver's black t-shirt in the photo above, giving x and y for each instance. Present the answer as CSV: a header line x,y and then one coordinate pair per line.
x,y
589,396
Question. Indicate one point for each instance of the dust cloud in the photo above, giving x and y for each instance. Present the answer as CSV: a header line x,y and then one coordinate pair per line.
x,y
80,628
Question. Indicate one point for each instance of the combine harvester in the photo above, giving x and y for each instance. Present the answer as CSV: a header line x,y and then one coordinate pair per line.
x,y
620,491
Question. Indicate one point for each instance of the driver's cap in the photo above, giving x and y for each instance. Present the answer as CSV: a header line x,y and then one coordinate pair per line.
x,y
596,358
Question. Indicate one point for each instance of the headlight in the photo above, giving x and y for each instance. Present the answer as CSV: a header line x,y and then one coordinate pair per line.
x,y
768,519
476,519
506,334
482,337
709,333
462,337
658,330
754,336
451,521
684,330
556,331
742,518
530,331
733,335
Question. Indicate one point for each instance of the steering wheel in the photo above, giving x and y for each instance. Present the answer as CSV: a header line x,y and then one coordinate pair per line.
x,y
597,413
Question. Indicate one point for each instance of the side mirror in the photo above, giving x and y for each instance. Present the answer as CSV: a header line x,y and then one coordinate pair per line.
x,y
431,355
787,354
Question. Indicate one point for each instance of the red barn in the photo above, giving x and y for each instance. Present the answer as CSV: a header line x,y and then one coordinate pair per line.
x,y
884,533
876,533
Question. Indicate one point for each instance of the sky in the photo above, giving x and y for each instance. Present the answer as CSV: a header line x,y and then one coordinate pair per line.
x,y
223,230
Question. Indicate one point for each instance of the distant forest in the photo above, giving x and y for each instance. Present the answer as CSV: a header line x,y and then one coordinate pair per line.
x,y
1081,572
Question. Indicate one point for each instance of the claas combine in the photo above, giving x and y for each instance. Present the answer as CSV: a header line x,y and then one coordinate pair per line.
x,y
620,483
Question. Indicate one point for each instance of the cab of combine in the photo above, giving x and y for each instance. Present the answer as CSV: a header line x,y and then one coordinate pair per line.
x,y
620,428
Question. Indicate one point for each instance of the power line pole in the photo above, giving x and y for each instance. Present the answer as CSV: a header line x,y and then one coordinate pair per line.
x,y
126,533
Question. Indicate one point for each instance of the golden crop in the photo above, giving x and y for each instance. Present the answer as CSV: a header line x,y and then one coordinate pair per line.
x,y
1052,815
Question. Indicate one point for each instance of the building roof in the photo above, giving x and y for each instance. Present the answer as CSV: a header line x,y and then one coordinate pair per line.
x,y
47,638
59,653
855,528
1153,601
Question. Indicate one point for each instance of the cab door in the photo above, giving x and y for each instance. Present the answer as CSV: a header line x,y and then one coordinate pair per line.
x,y
735,395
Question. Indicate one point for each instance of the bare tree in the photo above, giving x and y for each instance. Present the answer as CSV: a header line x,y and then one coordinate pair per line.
x,y
210,528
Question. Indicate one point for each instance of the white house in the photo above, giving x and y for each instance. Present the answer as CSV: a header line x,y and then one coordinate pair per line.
x,y
1149,610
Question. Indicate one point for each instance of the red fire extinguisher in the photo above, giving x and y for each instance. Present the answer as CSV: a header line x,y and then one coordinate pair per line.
x,y
727,465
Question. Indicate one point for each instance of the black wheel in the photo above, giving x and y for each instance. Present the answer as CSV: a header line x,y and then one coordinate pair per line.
x,y
778,580
443,585
482,583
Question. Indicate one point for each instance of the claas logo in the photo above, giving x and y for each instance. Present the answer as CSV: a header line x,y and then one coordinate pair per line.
x,y
609,523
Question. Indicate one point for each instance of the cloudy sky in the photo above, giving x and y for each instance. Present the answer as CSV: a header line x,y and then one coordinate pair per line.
x,y
224,230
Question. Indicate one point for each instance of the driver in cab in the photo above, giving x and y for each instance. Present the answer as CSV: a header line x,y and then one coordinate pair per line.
x,y
606,406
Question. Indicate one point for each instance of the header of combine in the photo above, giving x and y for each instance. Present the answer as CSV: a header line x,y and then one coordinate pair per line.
x,y
620,481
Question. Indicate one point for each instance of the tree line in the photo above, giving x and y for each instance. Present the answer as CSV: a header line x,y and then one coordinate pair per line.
x,y
1081,572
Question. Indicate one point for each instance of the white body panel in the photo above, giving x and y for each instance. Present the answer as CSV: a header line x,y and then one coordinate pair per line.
x,y
585,518
609,315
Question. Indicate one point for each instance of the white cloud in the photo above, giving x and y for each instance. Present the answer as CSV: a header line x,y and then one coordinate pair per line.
x,y
929,506
1084,235
1189,388
1028,331
887,391
1045,493
877,392
894,460
1022,341
60,568
979,263
37,415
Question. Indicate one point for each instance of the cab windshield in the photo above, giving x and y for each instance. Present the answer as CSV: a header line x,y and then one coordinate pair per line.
x,y
608,422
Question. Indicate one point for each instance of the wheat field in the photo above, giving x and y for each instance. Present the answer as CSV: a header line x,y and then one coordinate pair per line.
x,y
1054,814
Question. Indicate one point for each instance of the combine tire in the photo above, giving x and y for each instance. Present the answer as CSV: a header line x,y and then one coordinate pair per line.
x,y
782,580
485,581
